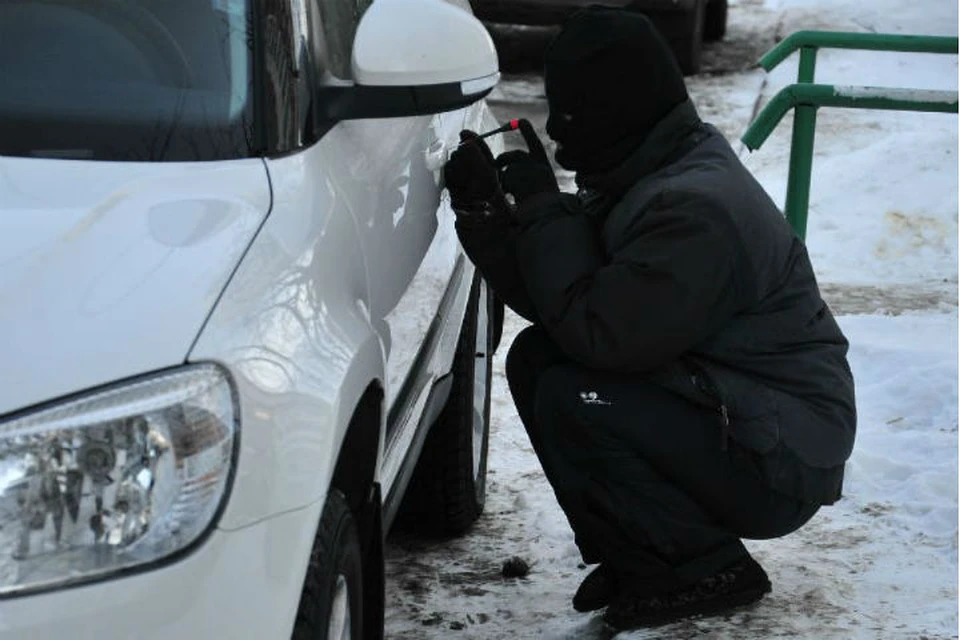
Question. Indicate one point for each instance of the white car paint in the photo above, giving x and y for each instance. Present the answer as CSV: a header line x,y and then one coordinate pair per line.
x,y
241,585
109,269
325,303
386,55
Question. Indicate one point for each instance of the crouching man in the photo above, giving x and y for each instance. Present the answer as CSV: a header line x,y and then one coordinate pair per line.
x,y
683,383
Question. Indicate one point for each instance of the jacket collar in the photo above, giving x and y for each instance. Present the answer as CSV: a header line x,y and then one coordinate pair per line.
x,y
669,139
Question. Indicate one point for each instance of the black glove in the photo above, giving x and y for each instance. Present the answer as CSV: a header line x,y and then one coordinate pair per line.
x,y
471,177
527,173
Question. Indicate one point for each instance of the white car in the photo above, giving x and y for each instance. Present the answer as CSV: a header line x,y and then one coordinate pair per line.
x,y
233,311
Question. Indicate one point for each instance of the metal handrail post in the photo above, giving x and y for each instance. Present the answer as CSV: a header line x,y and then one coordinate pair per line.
x,y
801,150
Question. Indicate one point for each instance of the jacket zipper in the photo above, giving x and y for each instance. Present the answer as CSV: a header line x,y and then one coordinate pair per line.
x,y
710,388
725,429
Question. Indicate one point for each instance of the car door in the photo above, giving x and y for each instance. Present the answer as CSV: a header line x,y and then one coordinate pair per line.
x,y
406,231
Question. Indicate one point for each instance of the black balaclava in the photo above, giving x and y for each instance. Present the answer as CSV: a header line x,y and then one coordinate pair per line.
x,y
609,78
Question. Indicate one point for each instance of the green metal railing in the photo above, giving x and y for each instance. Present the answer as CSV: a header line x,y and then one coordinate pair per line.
x,y
805,98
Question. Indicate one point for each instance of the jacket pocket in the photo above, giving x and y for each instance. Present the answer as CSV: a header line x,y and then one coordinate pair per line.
x,y
756,422
749,410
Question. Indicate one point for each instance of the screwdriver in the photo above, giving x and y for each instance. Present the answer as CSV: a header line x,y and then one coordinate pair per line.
x,y
526,130
512,125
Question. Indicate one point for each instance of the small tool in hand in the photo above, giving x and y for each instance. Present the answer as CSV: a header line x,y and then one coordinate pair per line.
x,y
512,125
526,130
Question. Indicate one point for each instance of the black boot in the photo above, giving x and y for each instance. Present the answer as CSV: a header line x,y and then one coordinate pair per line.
x,y
741,583
597,589
604,583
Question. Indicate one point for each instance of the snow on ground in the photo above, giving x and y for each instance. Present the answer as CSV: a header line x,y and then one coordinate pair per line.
x,y
882,563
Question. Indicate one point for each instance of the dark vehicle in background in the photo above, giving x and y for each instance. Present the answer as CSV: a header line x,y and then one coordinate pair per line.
x,y
686,24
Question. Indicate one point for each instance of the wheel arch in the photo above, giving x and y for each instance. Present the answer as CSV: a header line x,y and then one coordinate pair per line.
x,y
355,476
355,470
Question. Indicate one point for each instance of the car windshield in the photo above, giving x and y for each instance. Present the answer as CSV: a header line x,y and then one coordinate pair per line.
x,y
127,80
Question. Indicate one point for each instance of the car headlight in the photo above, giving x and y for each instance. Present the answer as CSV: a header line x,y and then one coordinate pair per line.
x,y
113,479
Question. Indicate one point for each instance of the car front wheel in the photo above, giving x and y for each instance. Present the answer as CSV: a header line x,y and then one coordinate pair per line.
x,y
331,604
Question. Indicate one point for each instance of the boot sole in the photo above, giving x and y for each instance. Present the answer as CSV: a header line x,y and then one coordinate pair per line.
x,y
703,609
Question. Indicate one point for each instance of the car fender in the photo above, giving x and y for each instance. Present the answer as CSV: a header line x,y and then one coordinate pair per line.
x,y
293,327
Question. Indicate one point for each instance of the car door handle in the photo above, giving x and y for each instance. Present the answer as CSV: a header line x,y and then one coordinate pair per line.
x,y
436,155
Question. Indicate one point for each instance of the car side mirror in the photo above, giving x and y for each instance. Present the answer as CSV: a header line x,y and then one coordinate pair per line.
x,y
414,57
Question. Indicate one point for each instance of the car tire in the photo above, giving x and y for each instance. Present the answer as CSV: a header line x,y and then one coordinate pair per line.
x,y
448,488
684,32
331,603
715,20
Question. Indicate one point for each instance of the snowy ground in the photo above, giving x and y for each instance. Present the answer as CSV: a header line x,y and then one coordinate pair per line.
x,y
882,563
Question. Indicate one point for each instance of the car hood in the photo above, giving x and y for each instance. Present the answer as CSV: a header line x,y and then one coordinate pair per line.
x,y
108,270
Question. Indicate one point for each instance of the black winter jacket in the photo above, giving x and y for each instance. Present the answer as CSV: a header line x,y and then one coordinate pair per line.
x,y
687,273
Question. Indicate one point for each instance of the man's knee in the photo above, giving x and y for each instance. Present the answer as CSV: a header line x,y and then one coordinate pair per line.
x,y
531,353
518,355
557,388
559,402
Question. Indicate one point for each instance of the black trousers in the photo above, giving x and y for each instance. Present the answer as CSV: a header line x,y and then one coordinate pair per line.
x,y
640,472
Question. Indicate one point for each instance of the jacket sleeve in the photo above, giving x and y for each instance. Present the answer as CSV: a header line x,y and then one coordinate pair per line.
x,y
490,244
667,289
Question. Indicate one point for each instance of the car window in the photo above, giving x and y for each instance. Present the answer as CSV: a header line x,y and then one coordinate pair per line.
x,y
340,19
130,80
